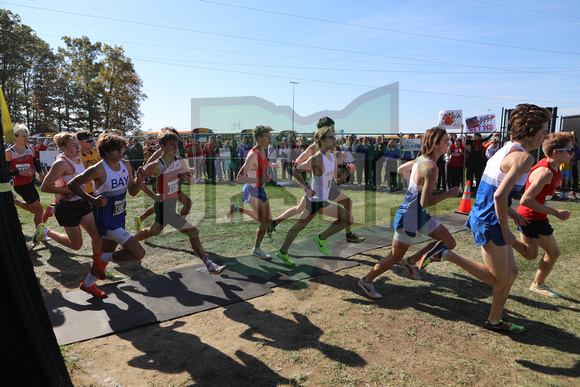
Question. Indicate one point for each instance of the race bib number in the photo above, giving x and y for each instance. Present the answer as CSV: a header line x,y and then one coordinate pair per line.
x,y
172,187
22,167
119,207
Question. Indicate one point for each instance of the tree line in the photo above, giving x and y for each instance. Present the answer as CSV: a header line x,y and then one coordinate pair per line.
x,y
82,85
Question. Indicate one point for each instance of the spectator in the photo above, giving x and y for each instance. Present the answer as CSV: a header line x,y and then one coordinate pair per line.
x,y
209,153
455,168
377,154
392,153
136,154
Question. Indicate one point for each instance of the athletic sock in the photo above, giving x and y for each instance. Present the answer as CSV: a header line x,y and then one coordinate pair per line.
x,y
206,261
90,280
444,253
348,234
45,231
107,257
273,225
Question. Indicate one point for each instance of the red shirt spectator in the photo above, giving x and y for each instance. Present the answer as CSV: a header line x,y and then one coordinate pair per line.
x,y
456,151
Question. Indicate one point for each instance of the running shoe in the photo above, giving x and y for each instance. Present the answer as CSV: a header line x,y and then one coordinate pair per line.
x,y
231,211
545,290
352,238
258,252
413,273
369,288
138,223
38,234
93,290
285,258
99,267
215,268
433,255
504,327
321,245
29,246
112,276
48,213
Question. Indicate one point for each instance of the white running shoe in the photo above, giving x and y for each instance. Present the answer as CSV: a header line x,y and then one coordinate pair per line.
x,y
258,252
215,268
369,288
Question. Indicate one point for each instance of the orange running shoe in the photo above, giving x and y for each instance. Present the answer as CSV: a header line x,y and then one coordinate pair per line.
x,y
99,267
93,290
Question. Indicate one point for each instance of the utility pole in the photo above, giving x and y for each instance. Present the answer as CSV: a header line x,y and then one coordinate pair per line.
x,y
293,87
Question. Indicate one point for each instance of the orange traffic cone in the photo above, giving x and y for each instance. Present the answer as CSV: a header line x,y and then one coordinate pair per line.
x,y
465,204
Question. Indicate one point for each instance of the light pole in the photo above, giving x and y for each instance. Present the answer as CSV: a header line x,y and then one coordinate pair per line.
x,y
293,86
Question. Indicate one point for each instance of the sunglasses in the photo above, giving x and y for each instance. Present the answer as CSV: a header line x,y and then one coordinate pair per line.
x,y
569,150
89,140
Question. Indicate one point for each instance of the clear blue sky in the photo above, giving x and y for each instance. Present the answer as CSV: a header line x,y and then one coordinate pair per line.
x,y
478,56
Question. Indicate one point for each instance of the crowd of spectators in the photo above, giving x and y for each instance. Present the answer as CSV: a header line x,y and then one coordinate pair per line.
x,y
376,158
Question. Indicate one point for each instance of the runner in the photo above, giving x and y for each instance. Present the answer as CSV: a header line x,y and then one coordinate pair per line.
x,y
412,217
71,211
504,176
168,169
21,159
254,174
112,179
181,197
334,195
323,165
534,227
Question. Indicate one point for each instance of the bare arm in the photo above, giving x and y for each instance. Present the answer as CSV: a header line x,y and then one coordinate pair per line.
x,y
517,164
538,179
304,167
429,172
58,169
96,172
250,164
405,169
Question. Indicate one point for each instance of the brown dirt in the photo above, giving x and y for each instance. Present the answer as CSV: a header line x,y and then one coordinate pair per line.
x,y
317,332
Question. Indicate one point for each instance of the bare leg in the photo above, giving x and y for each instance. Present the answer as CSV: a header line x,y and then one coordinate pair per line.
x,y
549,245
398,250
292,211
526,247
264,215
499,270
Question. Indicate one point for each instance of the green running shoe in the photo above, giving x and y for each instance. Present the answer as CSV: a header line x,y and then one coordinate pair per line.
x,y
504,327
138,224
321,245
285,258
38,234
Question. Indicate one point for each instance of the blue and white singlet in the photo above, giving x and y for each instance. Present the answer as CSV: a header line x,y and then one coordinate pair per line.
x,y
112,215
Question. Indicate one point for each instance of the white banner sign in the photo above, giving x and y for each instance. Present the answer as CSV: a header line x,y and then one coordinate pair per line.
x,y
481,124
225,153
451,119
48,157
411,145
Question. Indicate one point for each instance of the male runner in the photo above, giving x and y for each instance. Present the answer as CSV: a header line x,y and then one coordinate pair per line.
x,y
254,174
323,165
21,159
504,177
168,169
71,211
112,178
334,195
535,229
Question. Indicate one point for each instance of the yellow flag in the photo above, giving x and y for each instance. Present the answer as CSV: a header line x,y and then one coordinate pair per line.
x,y
6,122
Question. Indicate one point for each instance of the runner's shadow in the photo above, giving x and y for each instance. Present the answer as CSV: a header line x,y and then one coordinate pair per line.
x,y
573,372
292,335
170,351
